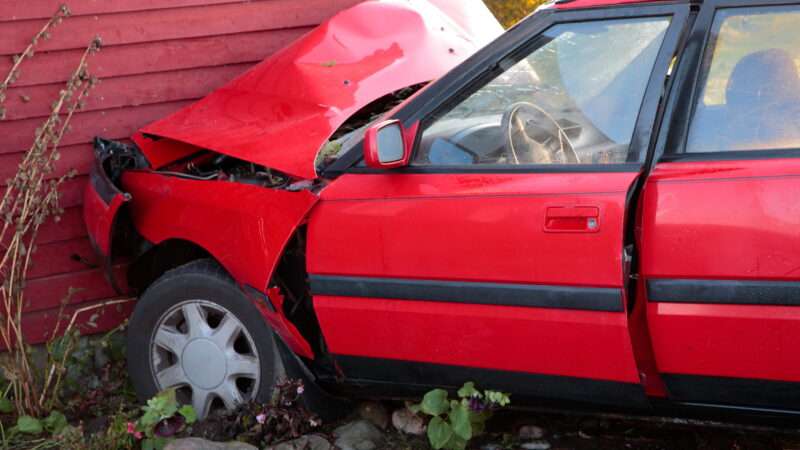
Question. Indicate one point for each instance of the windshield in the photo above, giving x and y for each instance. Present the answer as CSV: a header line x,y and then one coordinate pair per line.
x,y
583,85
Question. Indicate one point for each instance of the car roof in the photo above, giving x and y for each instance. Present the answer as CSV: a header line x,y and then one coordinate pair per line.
x,y
578,4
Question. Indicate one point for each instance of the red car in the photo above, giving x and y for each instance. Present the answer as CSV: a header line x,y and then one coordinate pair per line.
x,y
599,207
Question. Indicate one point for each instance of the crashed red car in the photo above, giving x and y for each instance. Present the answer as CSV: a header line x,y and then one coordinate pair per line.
x,y
600,206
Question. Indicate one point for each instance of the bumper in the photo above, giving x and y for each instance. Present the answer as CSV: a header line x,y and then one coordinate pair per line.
x,y
102,200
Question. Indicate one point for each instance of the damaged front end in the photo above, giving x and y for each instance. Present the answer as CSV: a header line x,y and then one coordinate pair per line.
x,y
233,176
204,205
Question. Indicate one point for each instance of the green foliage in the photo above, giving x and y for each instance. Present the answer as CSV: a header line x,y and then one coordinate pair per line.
x,y
454,422
116,436
162,418
509,12
55,422
188,413
435,402
6,405
29,425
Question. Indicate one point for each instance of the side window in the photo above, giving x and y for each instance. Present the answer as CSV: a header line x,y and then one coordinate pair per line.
x,y
750,87
573,99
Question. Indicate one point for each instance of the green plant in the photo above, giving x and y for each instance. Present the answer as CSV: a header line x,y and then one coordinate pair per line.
x,y
283,419
454,422
162,419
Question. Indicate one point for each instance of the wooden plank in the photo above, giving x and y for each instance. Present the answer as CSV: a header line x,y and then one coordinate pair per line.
x,y
134,59
72,192
50,292
44,9
70,226
134,90
179,23
38,326
79,157
17,135
74,255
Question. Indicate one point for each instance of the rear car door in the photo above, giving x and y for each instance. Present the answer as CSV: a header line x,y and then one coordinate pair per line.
x,y
497,255
720,232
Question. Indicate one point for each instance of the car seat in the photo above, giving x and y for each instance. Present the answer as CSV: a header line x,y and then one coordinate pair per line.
x,y
763,102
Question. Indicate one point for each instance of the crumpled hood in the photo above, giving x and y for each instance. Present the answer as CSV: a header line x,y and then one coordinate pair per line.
x,y
279,113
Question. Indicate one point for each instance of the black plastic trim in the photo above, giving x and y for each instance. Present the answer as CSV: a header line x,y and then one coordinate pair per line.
x,y
420,376
748,392
507,168
496,294
735,292
102,184
738,155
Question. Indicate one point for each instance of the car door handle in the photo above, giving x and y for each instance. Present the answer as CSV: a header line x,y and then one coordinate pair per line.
x,y
572,219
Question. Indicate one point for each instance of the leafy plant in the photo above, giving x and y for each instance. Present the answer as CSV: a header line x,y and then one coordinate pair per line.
x,y
162,419
454,422
284,418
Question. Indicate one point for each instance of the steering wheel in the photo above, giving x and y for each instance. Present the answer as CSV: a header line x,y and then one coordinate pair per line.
x,y
532,136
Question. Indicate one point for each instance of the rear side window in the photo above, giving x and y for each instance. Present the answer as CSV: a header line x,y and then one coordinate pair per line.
x,y
572,99
750,82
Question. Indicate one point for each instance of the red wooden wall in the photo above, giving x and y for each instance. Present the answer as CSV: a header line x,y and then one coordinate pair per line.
x,y
157,56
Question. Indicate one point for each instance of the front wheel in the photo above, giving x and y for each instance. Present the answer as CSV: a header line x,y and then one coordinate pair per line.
x,y
195,331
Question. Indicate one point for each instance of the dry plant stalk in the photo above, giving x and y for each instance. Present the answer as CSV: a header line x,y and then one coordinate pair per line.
x,y
32,197
43,34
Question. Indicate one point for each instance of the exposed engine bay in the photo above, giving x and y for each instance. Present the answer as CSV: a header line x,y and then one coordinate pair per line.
x,y
204,165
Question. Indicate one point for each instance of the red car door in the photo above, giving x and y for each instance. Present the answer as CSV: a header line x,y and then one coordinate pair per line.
x,y
497,255
720,231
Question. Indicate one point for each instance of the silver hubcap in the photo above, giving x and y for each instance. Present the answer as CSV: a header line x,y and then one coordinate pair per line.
x,y
204,351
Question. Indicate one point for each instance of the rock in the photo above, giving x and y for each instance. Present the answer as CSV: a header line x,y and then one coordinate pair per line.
x,y
358,435
530,432
202,444
375,413
536,445
308,442
491,446
408,422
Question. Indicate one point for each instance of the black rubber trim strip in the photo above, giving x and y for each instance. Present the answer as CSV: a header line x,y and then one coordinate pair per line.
x,y
504,168
735,292
102,184
733,391
423,376
498,294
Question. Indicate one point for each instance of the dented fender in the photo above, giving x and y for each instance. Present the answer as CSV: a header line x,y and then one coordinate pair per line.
x,y
244,227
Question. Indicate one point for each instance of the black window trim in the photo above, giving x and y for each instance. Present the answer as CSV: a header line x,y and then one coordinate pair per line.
x,y
487,60
674,136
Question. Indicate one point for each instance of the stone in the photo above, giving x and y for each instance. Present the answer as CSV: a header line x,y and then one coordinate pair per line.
x,y
358,435
491,446
308,442
203,444
536,445
407,422
375,413
530,432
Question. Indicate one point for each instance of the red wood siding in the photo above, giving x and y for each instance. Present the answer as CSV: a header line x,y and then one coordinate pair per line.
x,y
158,55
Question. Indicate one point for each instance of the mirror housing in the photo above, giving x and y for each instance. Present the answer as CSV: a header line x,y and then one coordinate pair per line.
x,y
388,144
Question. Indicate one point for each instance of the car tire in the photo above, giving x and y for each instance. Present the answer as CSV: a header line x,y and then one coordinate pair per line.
x,y
194,329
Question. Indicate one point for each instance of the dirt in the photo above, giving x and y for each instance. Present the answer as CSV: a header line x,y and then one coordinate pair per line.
x,y
579,432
